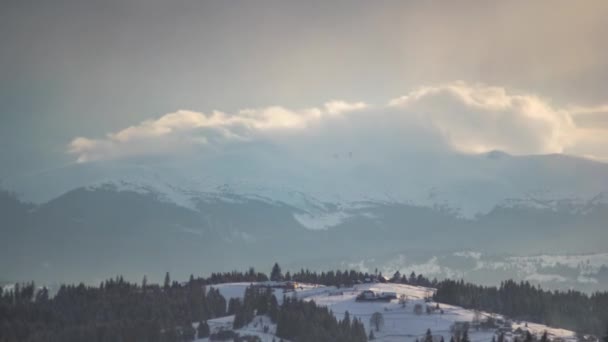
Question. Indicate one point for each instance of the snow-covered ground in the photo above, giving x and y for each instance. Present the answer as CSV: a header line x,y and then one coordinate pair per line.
x,y
400,323
255,328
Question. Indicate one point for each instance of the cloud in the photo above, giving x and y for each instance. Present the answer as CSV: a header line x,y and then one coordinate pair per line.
x,y
468,118
337,107
183,130
479,118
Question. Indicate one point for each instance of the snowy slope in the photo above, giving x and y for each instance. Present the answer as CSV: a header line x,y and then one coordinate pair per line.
x,y
400,323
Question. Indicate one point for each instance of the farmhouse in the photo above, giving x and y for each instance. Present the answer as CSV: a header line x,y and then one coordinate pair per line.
x,y
369,295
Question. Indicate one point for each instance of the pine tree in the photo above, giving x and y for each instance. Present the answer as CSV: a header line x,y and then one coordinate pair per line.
x,y
529,337
188,333
167,282
345,325
275,274
359,331
203,329
465,336
371,335
428,336
273,309
413,278
544,338
42,296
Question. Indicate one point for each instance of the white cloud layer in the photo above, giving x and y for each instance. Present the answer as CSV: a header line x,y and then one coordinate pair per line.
x,y
184,129
456,116
478,118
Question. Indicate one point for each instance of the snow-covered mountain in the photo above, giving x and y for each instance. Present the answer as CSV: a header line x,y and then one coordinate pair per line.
x,y
175,216
327,194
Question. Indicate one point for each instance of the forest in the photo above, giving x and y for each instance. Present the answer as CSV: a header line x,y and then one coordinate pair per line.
x,y
118,310
571,309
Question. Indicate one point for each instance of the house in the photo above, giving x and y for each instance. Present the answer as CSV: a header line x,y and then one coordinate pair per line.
x,y
366,295
389,295
369,295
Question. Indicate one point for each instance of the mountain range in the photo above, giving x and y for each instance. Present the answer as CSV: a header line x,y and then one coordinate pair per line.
x,y
95,220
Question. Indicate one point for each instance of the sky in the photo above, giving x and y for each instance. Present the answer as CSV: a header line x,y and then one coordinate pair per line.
x,y
84,81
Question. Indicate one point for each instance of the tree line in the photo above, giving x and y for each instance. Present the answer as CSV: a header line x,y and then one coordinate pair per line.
x,y
296,320
118,310
348,278
570,309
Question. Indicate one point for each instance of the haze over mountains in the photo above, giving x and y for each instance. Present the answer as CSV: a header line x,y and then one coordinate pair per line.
x,y
97,219
373,149
410,176
413,184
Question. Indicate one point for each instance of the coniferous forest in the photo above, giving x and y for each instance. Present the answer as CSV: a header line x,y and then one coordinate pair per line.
x,y
571,310
118,310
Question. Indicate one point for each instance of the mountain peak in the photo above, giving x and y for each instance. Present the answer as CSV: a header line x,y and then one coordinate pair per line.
x,y
496,154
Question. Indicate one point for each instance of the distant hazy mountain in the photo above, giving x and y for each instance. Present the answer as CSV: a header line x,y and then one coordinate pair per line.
x,y
95,220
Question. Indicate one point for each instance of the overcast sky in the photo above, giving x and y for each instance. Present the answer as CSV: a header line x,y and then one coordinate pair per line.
x,y
95,80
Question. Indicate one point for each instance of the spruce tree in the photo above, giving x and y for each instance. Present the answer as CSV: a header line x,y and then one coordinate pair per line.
x,y
465,336
345,323
275,274
167,282
273,309
428,336
203,329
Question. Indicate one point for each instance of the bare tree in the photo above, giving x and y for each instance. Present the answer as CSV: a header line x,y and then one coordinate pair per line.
x,y
376,321
402,300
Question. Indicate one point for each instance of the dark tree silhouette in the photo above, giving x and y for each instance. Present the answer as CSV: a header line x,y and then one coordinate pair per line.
x,y
376,321
275,274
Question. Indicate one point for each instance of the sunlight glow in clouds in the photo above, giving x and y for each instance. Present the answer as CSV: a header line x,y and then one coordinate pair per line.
x,y
177,131
478,118
469,118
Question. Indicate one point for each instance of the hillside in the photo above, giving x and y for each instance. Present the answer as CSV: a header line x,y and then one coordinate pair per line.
x,y
91,233
400,323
